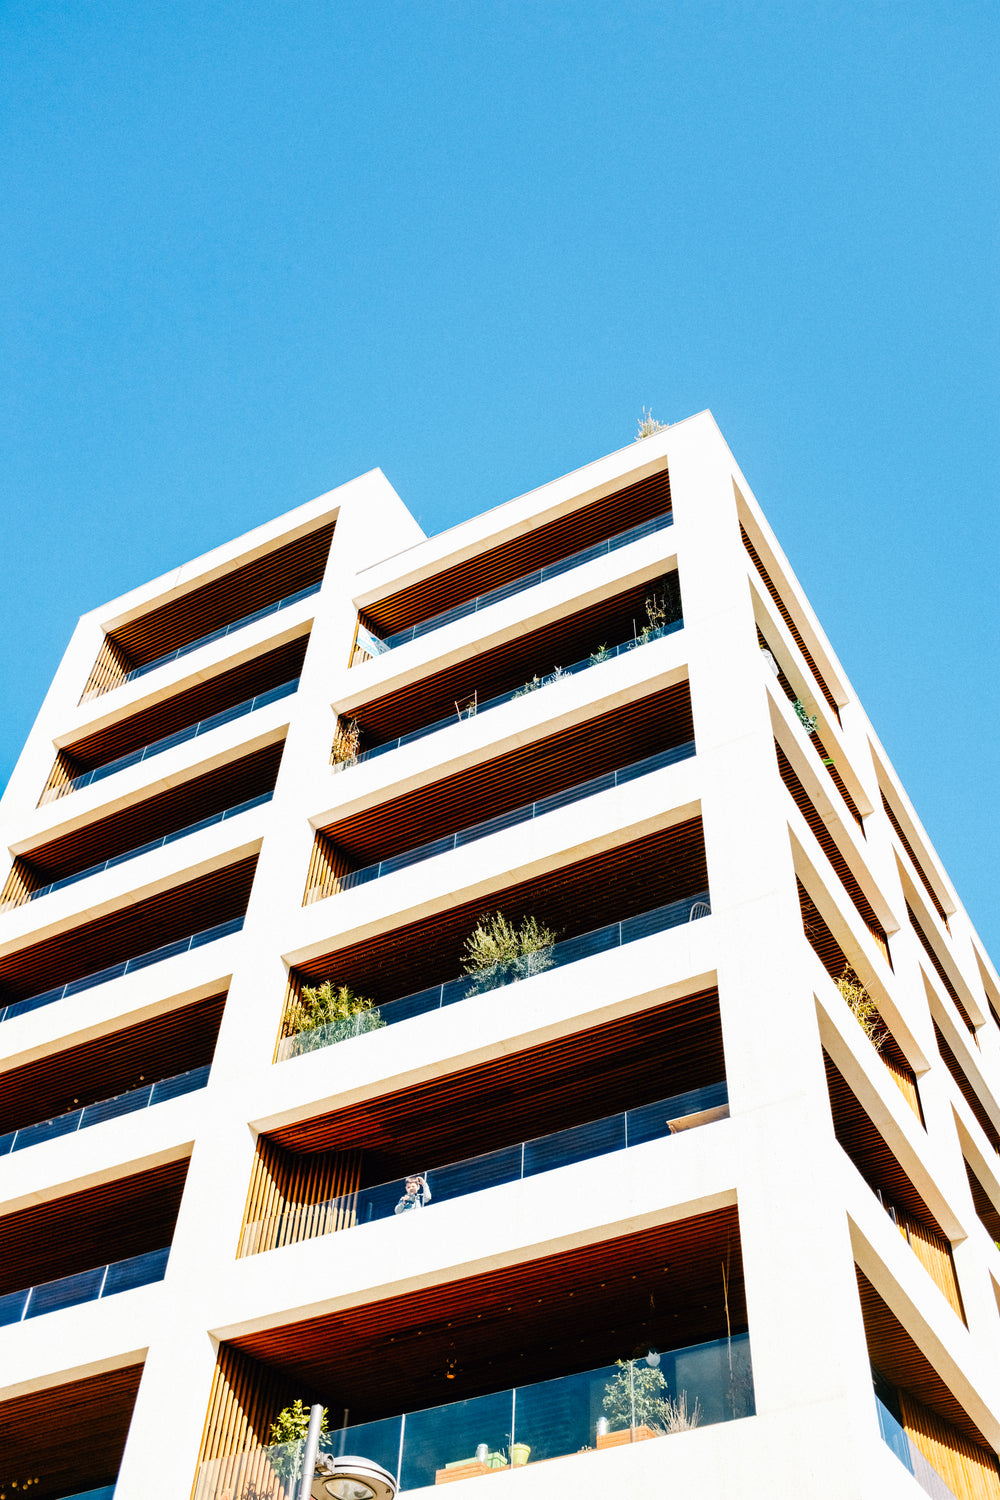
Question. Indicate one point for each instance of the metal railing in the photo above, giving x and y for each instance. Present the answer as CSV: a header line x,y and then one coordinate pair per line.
x,y
473,710
518,585
85,1286
224,630
168,838
570,951
474,1174
524,814
524,1425
190,732
105,1109
116,971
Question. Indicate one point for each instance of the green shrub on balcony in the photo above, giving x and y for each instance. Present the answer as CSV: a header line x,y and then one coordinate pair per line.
x,y
638,1397
327,1013
498,953
290,1429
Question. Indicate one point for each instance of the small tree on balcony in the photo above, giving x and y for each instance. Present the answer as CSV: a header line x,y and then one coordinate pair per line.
x,y
334,1008
637,1396
497,952
288,1434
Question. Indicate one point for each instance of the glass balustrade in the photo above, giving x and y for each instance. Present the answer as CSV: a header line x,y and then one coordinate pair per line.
x,y
373,644
472,710
190,732
105,1109
116,971
217,635
490,1169
524,814
571,950
895,1437
702,1385
106,1492
85,1286
168,838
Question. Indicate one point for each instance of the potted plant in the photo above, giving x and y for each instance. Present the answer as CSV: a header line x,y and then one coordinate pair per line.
x,y
519,1455
498,953
288,1433
326,1013
346,743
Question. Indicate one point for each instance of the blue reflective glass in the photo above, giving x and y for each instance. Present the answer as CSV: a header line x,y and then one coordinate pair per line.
x,y
556,1417
450,1435
47,1130
12,1307
110,1109
182,1083
578,1143
139,1270
67,1292
378,1441
491,1169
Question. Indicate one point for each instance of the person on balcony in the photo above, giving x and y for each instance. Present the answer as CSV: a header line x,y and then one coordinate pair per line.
x,y
415,1195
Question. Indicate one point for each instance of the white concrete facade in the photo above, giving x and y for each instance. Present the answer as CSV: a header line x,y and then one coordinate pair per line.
x,y
807,1216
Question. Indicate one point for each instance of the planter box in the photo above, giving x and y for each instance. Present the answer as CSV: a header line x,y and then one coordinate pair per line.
x,y
627,1435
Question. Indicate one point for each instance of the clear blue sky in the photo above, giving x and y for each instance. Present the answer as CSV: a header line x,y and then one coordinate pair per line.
x,y
251,250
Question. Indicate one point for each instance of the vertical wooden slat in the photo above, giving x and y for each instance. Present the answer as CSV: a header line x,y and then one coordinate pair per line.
x,y
934,1253
970,1471
64,769
326,866
109,670
906,1081
294,1197
245,1399
19,884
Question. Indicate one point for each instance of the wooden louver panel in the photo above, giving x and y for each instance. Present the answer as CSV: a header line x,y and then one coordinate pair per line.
x,y
940,969
824,837
934,1253
287,1191
968,1469
522,555
967,1091
109,671
793,629
245,1399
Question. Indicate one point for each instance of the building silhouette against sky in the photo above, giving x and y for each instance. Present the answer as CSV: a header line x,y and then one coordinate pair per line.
x,y
711,1134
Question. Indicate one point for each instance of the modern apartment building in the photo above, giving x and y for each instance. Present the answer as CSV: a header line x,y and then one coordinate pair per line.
x,y
711,1133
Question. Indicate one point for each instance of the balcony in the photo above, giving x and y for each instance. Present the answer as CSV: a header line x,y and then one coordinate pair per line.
x,y
535,777
668,1288
176,719
515,565
91,1419
185,917
376,646
475,1174
528,1424
84,1286
88,1244
494,677
187,806
105,1109
656,882
281,578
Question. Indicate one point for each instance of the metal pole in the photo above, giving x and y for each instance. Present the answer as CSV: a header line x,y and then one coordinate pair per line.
x,y
312,1449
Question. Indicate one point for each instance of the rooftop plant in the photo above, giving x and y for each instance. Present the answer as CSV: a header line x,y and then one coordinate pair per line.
x,y
648,425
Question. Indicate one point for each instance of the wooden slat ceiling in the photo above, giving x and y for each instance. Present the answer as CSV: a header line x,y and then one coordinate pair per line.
x,y
110,1065
826,840
503,668
67,1437
662,867
536,770
619,1065
868,1151
108,836
793,629
967,1091
984,1205
80,1231
895,1355
551,1316
257,584
523,554
128,932
239,684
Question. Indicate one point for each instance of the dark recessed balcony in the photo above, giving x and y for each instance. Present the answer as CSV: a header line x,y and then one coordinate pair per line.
x,y
632,740
612,1087
646,886
91,1419
116,838
550,1329
637,510
229,603
134,937
184,716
